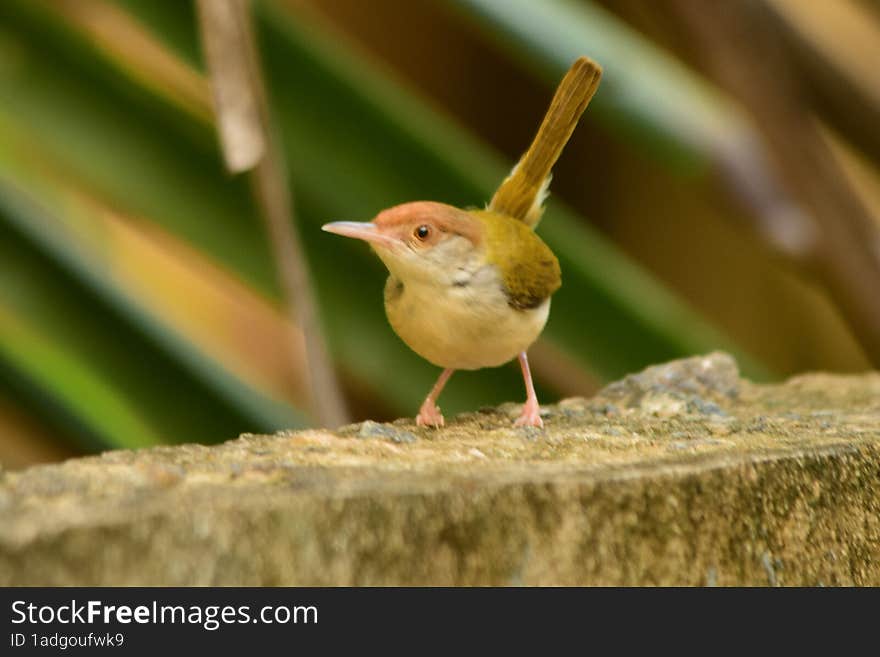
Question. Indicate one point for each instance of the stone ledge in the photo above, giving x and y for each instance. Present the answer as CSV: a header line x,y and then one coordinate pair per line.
x,y
681,474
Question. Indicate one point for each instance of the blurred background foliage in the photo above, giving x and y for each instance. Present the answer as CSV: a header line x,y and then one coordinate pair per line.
x,y
139,301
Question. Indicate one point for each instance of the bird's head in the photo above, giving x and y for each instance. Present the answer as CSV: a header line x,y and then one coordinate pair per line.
x,y
420,241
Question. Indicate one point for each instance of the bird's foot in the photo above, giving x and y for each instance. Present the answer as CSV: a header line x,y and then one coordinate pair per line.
x,y
429,415
530,416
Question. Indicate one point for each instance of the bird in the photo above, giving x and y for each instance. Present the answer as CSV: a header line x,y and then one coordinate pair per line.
x,y
470,288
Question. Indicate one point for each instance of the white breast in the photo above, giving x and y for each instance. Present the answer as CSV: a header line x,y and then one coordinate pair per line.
x,y
466,325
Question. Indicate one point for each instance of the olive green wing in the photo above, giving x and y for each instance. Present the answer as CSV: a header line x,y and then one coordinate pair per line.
x,y
529,271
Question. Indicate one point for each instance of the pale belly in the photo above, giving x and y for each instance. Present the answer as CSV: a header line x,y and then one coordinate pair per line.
x,y
463,328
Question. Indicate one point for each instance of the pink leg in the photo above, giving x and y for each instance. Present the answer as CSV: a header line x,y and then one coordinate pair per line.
x,y
531,412
429,414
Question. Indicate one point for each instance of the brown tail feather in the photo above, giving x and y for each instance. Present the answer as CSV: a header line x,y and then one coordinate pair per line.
x,y
521,194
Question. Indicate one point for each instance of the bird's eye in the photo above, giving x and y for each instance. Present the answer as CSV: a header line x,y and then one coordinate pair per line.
x,y
422,232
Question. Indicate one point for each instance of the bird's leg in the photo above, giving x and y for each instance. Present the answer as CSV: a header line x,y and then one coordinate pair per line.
x,y
531,412
429,414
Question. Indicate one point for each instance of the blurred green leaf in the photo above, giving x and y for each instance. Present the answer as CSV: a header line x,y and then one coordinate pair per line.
x,y
51,121
646,94
106,372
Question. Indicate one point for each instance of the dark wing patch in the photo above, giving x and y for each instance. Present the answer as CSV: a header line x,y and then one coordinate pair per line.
x,y
529,285
529,270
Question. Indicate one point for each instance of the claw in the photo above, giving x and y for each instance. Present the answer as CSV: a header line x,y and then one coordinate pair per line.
x,y
430,416
530,416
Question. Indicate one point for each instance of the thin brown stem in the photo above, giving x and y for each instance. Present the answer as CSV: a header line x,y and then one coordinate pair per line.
x,y
839,73
838,237
250,143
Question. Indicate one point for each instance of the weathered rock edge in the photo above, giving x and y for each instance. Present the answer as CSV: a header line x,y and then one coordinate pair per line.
x,y
682,474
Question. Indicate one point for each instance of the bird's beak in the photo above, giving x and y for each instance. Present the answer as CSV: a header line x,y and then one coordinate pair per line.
x,y
362,230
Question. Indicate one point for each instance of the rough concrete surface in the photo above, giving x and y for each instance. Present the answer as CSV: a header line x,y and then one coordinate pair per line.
x,y
681,474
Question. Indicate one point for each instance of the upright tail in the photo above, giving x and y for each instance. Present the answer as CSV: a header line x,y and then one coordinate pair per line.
x,y
522,193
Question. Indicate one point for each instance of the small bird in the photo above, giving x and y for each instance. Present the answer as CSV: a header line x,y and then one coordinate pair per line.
x,y
471,288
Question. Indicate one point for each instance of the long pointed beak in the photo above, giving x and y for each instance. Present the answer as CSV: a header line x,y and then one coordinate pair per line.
x,y
362,230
